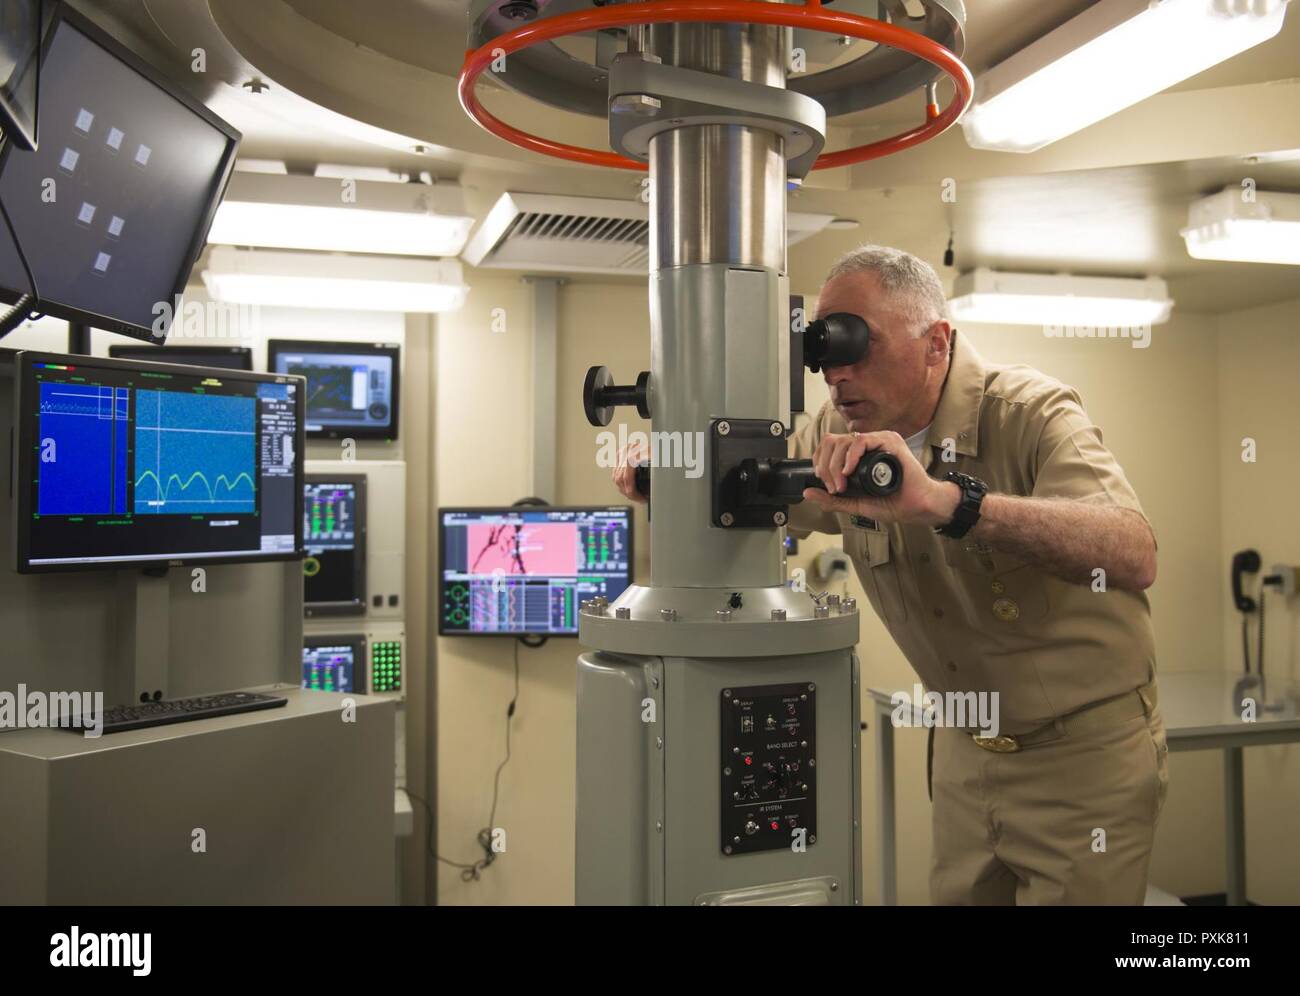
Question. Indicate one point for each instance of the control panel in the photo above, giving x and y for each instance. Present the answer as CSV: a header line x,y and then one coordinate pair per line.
x,y
386,666
769,768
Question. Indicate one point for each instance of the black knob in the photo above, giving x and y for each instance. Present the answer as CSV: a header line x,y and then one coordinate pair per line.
x,y
600,395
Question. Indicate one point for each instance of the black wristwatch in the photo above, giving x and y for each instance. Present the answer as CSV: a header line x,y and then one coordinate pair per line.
x,y
963,521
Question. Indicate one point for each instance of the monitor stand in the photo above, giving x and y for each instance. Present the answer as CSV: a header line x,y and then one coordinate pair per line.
x,y
78,338
139,671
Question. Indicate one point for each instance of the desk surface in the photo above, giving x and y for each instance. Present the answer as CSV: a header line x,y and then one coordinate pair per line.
x,y
53,744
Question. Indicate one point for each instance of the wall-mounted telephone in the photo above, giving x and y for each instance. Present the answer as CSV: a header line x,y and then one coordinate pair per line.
x,y
1244,562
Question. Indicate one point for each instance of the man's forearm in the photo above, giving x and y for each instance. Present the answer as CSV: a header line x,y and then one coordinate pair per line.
x,y
1070,539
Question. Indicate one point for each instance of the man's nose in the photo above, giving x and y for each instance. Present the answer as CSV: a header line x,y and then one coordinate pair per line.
x,y
836,375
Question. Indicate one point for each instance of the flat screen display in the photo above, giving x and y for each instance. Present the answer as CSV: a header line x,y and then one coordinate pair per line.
x,y
121,463
114,207
525,570
352,387
20,60
226,357
334,664
334,533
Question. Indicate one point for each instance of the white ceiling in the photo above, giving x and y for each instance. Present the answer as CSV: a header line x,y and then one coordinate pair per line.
x,y
392,63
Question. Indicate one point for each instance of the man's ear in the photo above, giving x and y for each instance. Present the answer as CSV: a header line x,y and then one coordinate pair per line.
x,y
938,342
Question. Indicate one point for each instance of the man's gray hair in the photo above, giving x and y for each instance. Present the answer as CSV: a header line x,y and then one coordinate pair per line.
x,y
909,280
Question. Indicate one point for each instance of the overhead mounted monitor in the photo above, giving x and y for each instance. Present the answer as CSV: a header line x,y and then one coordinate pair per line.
x,y
334,535
113,209
524,571
352,387
20,62
225,357
128,464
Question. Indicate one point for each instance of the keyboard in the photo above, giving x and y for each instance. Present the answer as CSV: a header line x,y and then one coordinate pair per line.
x,y
119,719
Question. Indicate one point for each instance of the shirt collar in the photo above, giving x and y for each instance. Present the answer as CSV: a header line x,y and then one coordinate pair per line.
x,y
958,414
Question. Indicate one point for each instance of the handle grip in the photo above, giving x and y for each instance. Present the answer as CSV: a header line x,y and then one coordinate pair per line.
x,y
878,475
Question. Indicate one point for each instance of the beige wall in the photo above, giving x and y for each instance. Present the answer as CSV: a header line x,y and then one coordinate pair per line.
x,y
483,442
1160,411
1259,383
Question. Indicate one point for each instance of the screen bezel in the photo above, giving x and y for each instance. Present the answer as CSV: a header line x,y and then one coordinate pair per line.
x,y
133,62
26,134
24,461
359,644
274,347
492,509
358,608
123,351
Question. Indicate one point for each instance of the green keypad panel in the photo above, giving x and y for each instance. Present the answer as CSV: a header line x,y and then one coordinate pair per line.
x,y
386,665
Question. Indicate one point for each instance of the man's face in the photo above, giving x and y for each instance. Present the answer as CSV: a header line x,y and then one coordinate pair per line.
x,y
883,389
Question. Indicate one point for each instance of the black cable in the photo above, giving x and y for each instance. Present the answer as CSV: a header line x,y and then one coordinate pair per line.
x,y
1259,655
18,313
473,872
1245,642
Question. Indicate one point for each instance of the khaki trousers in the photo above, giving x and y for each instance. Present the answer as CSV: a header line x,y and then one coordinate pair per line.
x,y
1070,822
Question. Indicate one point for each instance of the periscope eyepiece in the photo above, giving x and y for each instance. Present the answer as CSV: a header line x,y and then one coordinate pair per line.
x,y
838,340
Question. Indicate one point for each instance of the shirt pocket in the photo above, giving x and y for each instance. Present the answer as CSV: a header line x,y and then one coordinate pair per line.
x,y
870,550
998,590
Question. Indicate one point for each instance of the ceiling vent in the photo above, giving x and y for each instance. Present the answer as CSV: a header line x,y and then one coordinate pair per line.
x,y
547,233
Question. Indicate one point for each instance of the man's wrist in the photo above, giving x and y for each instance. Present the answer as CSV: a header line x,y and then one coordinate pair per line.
x,y
943,504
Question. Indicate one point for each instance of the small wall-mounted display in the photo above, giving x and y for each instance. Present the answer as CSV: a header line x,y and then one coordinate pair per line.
x,y
352,387
334,663
334,533
524,571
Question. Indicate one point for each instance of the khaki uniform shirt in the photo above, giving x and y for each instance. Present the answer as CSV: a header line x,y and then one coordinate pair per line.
x,y
970,618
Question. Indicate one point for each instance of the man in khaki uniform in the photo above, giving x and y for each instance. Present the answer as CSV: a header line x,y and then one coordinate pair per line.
x,y
1041,600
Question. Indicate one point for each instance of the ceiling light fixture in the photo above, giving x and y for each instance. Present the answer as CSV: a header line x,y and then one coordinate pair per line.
x,y
1113,55
1246,226
341,215
356,283
1059,299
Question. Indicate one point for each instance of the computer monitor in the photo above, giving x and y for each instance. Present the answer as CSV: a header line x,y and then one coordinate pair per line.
x,y
114,208
20,62
524,570
225,357
334,535
334,663
124,464
352,387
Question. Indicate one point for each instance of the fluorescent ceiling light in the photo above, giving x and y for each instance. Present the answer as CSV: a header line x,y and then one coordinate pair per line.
x,y
379,174
1113,55
275,167
328,214
1059,300
1265,229
357,283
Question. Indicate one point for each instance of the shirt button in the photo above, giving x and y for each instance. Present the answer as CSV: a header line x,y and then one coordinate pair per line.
x,y
938,613
1006,610
952,666
998,587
